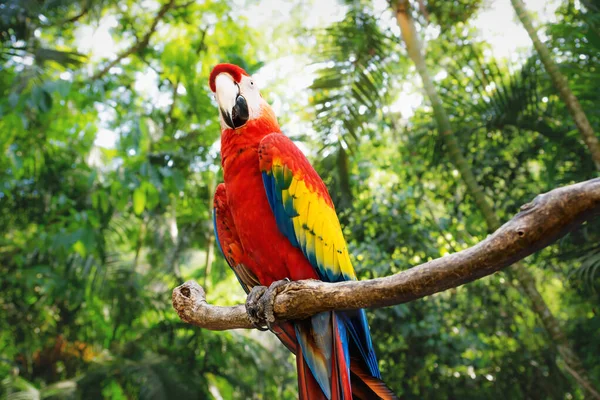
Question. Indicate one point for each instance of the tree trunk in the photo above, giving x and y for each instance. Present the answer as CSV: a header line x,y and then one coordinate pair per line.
x,y
344,178
525,278
561,84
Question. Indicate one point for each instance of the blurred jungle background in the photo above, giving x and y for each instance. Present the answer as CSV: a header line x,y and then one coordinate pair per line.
x,y
109,141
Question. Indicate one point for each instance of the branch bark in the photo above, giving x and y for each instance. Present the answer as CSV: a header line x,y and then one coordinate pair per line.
x,y
524,277
539,223
139,45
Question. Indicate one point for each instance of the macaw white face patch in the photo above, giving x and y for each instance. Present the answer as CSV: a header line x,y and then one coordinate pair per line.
x,y
249,90
239,102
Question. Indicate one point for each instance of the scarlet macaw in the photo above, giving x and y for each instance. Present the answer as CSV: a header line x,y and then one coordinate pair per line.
x,y
275,220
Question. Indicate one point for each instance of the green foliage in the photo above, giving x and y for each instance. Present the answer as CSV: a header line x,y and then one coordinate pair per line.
x,y
358,64
98,235
353,80
481,340
106,189
445,14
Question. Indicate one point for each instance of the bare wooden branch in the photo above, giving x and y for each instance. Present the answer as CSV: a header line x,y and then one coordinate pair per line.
x,y
539,223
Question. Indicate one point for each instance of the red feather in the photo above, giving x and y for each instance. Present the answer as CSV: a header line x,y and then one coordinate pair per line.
x,y
229,241
233,70
279,146
268,254
255,223
308,388
340,386
366,387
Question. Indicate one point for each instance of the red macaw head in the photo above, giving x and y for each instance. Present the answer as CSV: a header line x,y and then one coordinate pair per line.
x,y
237,95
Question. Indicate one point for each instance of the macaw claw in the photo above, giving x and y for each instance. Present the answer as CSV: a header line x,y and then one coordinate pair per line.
x,y
268,300
260,302
253,307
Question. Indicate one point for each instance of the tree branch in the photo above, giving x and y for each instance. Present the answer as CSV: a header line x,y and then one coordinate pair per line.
x,y
85,7
139,45
539,223
184,5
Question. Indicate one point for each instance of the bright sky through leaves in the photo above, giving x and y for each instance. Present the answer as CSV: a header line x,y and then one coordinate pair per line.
x,y
496,23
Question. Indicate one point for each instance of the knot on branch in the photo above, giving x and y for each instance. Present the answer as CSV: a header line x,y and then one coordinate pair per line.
x,y
528,206
187,299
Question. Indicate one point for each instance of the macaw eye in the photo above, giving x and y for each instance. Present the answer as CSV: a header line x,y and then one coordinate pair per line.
x,y
251,83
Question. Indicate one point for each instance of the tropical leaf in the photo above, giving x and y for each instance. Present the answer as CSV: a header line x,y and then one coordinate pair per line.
x,y
448,13
353,77
18,388
589,270
506,99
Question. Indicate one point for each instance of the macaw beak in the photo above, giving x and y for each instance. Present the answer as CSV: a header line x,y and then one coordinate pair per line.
x,y
233,106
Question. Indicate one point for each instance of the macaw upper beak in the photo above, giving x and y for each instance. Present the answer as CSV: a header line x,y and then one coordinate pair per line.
x,y
232,104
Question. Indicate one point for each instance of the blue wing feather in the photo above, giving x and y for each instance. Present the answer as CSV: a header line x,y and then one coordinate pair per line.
x,y
283,216
344,339
357,325
351,326
217,234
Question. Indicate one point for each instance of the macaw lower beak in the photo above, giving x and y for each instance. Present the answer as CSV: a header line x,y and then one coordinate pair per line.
x,y
233,106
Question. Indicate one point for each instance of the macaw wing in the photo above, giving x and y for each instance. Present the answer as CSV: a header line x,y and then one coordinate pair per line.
x,y
229,241
303,208
230,245
306,216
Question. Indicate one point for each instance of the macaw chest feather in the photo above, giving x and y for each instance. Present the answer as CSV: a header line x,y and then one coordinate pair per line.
x,y
276,257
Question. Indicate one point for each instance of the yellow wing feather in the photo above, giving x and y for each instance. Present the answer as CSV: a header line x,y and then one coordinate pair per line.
x,y
318,229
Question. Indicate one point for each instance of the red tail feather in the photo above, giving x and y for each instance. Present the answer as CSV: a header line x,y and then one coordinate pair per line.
x,y
366,387
340,381
308,388
286,333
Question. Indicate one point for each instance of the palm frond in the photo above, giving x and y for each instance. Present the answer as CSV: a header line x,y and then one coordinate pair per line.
x,y
589,269
69,59
500,96
19,388
449,13
153,377
353,79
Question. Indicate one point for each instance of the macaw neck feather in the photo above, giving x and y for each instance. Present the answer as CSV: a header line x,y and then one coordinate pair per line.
x,y
235,141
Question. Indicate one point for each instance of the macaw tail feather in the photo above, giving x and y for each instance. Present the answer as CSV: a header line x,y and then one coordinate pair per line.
x,y
340,361
308,388
286,333
313,334
367,387
323,348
